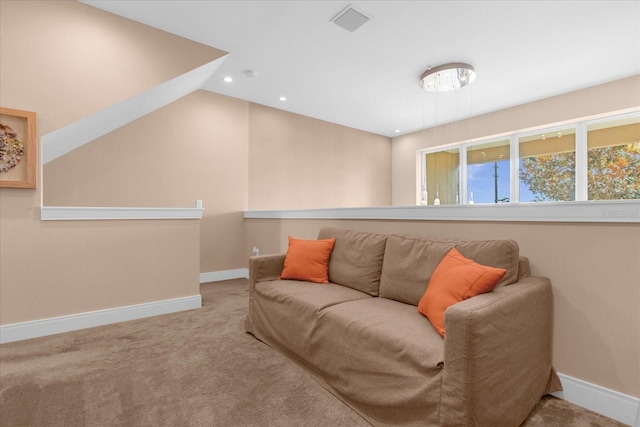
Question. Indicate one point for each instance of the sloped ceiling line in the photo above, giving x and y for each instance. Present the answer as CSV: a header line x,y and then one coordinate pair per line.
x,y
67,138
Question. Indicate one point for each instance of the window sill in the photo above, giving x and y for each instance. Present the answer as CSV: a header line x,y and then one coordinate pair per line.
x,y
619,211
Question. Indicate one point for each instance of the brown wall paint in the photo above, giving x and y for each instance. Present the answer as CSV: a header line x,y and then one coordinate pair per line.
x,y
298,162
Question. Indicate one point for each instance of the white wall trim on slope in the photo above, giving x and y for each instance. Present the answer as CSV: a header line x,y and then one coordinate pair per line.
x,y
610,403
217,276
74,322
592,211
67,138
79,213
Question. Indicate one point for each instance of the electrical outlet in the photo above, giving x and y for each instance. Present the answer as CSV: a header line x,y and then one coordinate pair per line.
x,y
256,251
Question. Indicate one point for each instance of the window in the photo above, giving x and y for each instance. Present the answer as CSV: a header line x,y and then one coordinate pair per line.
x,y
441,180
589,160
488,177
613,159
547,166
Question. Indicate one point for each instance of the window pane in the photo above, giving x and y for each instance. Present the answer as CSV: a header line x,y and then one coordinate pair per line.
x,y
488,173
442,176
613,159
548,166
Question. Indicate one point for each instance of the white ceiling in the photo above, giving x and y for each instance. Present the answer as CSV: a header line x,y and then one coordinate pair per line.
x,y
522,51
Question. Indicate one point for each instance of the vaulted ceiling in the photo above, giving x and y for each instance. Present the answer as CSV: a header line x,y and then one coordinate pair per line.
x,y
367,79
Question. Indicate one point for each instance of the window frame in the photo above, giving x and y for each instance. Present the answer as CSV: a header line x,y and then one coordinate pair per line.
x,y
423,162
516,141
464,166
581,156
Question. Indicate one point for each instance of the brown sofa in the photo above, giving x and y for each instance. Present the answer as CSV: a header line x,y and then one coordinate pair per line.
x,y
363,339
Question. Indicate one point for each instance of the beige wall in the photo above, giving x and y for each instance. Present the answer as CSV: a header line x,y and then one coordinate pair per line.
x,y
299,162
594,270
618,95
193,149
65,60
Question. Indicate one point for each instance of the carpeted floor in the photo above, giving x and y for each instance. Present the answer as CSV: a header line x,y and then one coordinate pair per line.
x,y
195,368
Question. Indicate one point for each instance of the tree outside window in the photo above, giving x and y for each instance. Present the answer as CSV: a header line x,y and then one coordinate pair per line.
x,y
548,166
488,172
613,160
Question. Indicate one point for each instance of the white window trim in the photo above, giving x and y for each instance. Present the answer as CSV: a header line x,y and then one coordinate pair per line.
x,y
550,130
581,153
582,191
514,166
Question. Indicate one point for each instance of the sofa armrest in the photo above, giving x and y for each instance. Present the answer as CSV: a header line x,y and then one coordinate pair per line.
x,y
524,268
263,268
498,355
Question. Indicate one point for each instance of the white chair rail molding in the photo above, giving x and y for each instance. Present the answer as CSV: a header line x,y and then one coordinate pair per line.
x,y
624,211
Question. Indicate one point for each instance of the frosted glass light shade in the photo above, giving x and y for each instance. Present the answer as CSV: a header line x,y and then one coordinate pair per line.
x,y
447,77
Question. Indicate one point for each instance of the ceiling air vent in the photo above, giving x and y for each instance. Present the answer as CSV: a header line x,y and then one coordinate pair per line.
x,y
350,18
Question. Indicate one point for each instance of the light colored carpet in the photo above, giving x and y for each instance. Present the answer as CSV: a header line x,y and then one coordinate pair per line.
x,y
195,368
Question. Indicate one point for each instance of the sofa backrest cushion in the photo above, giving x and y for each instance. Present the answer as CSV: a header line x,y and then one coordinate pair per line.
x,y
356,260
409,262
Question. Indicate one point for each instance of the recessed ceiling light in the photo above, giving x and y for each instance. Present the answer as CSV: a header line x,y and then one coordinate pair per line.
x,y
283,98
228,79
397,130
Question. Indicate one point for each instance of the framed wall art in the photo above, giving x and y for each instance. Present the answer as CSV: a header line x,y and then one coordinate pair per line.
x,y
17,148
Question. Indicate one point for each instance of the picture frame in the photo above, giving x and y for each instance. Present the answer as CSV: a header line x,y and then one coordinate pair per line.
x,y
18,149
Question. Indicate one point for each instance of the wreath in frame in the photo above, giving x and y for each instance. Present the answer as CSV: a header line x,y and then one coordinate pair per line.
x,y
11,148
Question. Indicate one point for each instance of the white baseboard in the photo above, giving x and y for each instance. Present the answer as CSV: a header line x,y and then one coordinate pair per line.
x,y
74,322
610,403
217,276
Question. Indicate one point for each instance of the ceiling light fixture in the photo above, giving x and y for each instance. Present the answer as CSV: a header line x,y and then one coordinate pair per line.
x,y
228,79
283,98
447,77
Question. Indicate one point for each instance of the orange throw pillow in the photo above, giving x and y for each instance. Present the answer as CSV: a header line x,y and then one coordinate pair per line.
x,y
308,260
455,279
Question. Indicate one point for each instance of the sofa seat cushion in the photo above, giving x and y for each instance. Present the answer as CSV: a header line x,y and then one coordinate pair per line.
x,y
286,310
410,261
356,260
382,357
